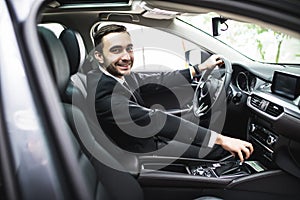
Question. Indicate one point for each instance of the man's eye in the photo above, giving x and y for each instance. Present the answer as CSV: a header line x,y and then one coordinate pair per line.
x,y
116,50
129,49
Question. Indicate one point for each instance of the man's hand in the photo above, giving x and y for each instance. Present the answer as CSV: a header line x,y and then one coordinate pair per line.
x,y
235,146
210,63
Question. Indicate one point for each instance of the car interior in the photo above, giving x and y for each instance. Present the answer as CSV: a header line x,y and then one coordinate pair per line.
x,y
260,108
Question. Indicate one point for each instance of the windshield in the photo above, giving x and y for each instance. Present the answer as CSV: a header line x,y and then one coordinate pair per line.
x,y
256,42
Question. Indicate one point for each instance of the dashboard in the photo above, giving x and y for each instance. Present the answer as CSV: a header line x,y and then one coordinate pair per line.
x,y
274,120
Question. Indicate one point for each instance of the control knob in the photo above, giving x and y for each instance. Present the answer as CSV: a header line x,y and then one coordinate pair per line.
x,y
252,128
271,140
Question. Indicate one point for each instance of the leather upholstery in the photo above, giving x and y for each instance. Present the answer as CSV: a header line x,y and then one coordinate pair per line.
x,y
74,47
118,184
57,58
76,53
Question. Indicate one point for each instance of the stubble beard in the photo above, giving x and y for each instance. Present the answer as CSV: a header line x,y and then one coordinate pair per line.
x,y
113,71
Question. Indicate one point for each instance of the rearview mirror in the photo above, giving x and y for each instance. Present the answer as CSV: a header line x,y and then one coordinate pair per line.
x,y
216,25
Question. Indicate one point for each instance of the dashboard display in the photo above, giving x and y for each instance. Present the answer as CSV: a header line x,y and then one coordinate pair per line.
x,y
245,82
287,85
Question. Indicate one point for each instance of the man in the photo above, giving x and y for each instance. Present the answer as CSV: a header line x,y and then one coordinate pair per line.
x,y
120,108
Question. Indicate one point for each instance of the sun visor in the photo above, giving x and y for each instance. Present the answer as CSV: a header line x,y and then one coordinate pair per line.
x,y
180,8
156,13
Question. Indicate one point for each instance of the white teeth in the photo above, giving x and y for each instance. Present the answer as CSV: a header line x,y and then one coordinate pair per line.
x,y
123,65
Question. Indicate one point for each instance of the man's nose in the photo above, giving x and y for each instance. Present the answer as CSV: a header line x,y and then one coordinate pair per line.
x,y
125,56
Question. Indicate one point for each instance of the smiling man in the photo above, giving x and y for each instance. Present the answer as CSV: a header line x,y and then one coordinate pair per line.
x,y
120,108
116,54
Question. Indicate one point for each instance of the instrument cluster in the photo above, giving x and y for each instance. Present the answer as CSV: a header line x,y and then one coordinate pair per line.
x,y
245,81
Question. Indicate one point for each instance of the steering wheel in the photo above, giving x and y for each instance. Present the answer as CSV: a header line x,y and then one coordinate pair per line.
x,y
211,89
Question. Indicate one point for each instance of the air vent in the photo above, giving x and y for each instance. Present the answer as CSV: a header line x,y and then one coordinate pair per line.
x,y
274,109
255,101
266,106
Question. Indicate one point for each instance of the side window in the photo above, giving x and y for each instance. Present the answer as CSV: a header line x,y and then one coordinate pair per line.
x,y
155,50
154,59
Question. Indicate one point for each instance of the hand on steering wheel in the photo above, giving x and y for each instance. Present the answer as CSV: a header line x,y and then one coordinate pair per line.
x,y
210,89
211,62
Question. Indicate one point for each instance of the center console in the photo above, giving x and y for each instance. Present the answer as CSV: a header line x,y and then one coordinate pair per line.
x,y
169,176
264,141
258,174
227,168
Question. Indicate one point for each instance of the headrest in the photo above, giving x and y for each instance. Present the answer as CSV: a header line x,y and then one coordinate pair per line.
x,y
75,49
57,58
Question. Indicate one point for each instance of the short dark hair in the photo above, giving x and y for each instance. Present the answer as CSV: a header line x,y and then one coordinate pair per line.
x,y
105,30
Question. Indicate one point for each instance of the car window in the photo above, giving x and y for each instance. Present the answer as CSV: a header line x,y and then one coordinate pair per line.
x,y
266,45
149,59
156,50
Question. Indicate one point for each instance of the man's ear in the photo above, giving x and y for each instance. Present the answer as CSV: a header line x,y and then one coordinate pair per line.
x,y
99,57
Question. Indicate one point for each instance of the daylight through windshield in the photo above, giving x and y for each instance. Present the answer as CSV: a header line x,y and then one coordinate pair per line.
x,y
256,42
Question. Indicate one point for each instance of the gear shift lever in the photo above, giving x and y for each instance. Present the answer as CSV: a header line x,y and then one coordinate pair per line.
x,y
237,157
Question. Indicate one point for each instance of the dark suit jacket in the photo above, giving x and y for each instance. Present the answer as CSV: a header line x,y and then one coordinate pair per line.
x,y
128,123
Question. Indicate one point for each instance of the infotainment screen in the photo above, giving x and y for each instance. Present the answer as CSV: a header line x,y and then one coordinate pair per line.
x,y
285,84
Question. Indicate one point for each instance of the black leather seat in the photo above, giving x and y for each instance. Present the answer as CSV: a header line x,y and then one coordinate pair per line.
x,y
103,182
76,91
76,53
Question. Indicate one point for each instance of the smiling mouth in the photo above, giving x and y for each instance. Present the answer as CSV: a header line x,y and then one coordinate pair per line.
x,y
124,67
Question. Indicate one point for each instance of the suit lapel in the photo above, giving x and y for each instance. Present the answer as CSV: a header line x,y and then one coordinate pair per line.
x,y
134,89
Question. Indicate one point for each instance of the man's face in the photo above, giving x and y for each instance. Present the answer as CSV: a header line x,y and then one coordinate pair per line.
x,y
117,57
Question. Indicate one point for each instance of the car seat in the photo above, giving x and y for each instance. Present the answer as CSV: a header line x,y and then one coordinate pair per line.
x,y
76,53
76,90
